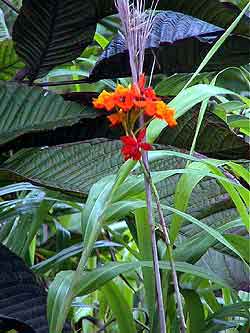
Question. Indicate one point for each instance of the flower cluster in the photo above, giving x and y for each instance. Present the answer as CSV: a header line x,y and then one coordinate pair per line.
x,y
127,104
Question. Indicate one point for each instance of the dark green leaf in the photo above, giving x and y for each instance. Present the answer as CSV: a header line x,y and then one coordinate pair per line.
x,y
24,109
76,167
172,33
222,144
49,33
22,299
241,244
195,309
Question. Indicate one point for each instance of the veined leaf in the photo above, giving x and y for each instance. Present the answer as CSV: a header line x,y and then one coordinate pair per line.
x,y
73,168
223,144
25,109
171,33
228,268
49,33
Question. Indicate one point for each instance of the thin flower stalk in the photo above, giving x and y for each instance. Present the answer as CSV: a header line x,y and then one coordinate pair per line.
x,y
169,248
138,104
136,33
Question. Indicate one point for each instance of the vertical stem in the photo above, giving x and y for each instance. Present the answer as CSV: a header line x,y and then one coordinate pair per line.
x,y
154,251
169,248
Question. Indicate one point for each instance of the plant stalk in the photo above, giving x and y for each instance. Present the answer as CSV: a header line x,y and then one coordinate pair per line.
x,y
154,250
9,4
169,247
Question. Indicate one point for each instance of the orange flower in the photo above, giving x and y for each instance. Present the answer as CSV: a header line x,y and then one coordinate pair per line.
x,y
104,101
163,111
123,98
150,108
116,118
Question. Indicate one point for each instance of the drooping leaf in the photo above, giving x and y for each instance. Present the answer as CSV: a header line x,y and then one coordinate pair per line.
x,y
22,299
215,138
119,307
204,10
184,102
74,168
66,253
49,33
232,78
25,109
10,63
171,34
89,281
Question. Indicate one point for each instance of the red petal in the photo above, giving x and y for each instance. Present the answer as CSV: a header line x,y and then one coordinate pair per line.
x,y
146,146
137,156
128,140
141,135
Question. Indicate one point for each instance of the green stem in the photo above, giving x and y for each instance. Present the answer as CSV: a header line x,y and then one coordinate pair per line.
x,y
169,247
156,265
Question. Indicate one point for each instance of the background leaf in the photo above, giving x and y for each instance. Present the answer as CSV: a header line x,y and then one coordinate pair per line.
x,y
62,31
10,63
21,297
25,109
215,138
171,33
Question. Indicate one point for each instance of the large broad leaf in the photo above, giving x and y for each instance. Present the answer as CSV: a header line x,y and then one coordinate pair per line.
x,y
76,167
215,138
202,9
171,34
10,63
48,33
24,109
22,299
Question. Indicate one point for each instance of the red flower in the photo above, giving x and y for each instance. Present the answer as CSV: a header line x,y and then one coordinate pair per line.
x,y
132,147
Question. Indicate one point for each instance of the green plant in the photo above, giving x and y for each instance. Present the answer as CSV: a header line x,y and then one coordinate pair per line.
x,y
73,217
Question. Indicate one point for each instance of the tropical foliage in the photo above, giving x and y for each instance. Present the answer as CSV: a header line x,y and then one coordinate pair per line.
x,y
76,213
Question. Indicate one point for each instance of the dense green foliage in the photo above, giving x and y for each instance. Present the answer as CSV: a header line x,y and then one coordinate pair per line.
x,y
76,213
